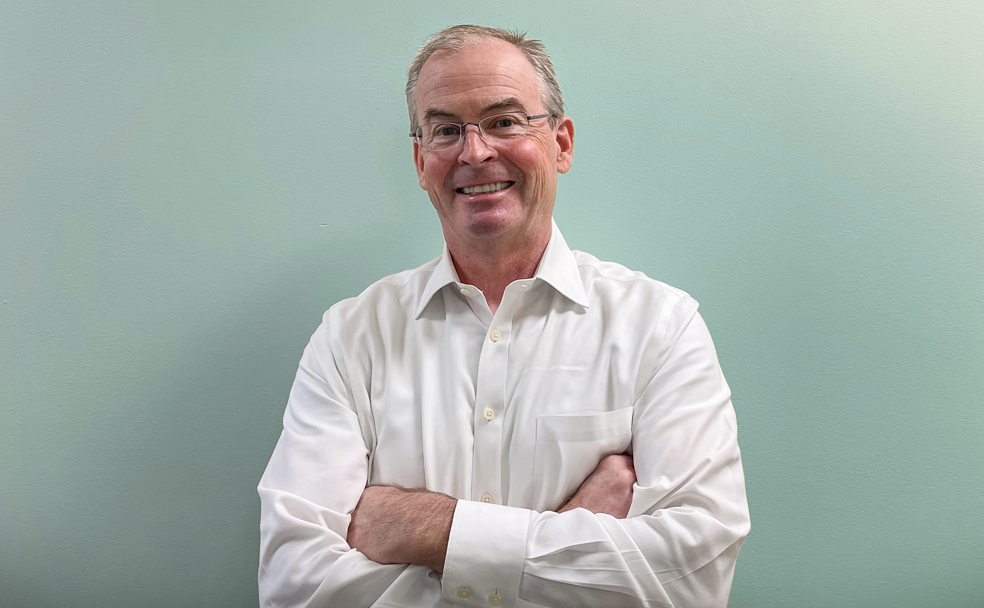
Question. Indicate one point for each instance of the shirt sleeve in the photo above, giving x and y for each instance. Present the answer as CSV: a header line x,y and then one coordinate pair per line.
x,y
687,521
312,483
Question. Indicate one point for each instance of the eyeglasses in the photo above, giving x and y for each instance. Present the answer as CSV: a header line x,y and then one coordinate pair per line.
x,y
501,127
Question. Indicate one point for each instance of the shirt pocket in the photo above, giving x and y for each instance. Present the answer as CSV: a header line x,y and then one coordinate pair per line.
x,y
569,447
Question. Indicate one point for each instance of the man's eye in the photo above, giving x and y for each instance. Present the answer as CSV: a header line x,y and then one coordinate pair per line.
x,y
446,131
504,123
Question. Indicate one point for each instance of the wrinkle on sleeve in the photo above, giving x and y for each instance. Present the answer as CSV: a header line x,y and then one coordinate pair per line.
x,y
689,514
312,483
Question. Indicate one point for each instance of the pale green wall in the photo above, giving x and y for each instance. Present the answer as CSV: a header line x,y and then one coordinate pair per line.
x,y
185,187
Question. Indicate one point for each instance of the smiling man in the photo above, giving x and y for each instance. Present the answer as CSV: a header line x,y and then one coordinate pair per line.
x,y
514,423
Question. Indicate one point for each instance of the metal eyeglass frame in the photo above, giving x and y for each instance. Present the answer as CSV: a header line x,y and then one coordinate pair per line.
x,y
461,133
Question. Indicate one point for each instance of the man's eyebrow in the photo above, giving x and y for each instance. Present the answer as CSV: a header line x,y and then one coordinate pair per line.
x,y
509,103
435,113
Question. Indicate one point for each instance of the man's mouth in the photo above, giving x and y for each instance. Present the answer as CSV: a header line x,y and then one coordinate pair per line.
x,y
485,188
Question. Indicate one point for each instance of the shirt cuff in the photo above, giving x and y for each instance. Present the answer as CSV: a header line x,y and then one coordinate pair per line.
x,y
486,554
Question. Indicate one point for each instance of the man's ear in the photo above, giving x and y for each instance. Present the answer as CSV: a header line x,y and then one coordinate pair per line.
x,y
418,162
565,144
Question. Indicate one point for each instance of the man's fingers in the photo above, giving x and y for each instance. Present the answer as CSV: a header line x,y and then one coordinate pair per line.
x,y
617,463
608,489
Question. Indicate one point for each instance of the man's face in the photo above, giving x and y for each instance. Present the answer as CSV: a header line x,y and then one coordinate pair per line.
x,y
467,86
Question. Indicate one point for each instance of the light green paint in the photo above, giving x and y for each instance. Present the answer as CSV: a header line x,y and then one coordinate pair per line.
x,y
184,187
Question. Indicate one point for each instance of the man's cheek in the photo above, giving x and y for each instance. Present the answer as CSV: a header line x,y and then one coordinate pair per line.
x,y
540,185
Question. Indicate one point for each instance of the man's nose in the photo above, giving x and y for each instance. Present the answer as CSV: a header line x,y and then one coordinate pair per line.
x,y
475,149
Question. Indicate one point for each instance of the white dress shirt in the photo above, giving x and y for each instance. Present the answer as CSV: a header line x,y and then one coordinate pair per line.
x,y
415,382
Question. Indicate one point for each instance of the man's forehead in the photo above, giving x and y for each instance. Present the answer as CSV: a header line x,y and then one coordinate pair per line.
x,y
490,75
505,104
502,59
489,49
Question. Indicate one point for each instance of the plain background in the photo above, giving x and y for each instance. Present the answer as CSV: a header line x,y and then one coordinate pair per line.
x,y
186,186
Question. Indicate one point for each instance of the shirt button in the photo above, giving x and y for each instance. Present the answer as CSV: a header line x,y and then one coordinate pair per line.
x,y
494,599
465,291
495,335
489,414
464,592
486,497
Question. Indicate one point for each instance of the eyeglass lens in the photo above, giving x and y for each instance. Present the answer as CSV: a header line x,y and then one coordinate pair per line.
x,y
441,135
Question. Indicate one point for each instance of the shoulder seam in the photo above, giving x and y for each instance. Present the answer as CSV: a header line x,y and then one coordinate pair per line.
x,y
639,276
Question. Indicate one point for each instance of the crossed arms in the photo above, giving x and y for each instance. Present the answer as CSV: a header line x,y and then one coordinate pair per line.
x,y
328,540
397,526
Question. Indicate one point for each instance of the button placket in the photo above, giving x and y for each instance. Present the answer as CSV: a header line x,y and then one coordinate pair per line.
x,y
490,405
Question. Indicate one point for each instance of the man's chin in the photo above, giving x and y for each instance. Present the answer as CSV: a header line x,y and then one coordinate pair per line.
x,y
488,225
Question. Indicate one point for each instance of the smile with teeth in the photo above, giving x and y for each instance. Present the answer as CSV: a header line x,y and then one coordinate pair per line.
x,y
485,188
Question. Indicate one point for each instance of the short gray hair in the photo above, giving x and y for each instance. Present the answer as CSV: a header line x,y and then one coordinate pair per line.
x,y
458,37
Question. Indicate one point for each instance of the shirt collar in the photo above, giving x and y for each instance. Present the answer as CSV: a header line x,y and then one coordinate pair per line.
x,y
557,267
444,274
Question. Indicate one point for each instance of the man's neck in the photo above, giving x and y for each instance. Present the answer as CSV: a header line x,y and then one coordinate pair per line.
x,y
494,264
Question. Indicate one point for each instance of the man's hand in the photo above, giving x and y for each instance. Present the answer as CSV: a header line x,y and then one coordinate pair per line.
x,y
396,526
608,489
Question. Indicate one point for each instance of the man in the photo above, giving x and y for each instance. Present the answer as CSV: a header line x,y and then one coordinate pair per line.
x,y
514,423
